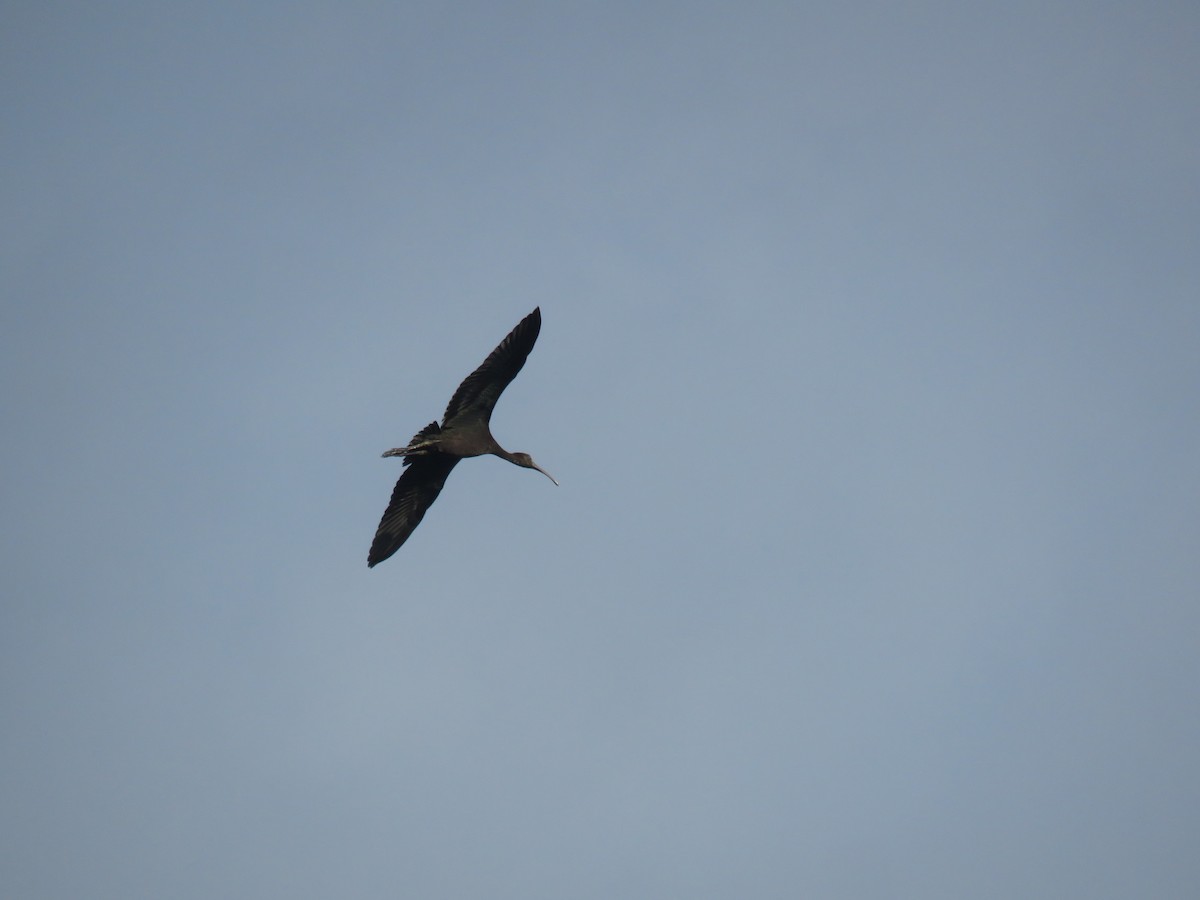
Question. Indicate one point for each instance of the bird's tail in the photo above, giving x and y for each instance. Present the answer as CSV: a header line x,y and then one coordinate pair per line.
x,y
422,443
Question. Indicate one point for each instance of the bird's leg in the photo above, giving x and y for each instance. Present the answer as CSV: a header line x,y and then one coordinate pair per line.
x,y
414,449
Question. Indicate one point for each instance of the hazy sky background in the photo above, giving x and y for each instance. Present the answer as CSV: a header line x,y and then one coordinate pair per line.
x,y
870,368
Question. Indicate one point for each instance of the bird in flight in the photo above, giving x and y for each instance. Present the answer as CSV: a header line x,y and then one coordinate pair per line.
x,y
436,449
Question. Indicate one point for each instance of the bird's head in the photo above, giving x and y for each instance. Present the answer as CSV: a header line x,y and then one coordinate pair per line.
x,y
524,459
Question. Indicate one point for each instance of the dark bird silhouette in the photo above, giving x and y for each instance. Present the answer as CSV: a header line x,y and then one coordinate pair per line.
x,y
436,449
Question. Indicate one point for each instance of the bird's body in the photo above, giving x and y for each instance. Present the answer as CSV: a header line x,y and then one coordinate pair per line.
x,y
465,431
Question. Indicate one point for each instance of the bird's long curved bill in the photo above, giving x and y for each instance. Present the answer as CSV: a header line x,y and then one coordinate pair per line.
x,y
544,472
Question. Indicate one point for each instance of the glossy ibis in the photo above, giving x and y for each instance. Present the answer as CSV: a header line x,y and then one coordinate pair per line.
x,y
436,449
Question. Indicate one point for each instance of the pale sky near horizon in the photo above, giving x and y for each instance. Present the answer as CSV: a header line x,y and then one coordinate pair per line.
x,y
869,369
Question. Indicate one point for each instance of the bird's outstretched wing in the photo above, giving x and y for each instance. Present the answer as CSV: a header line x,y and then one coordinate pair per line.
x,y
415,492
482,388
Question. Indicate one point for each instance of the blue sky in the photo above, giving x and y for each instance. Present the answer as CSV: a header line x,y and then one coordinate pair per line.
x,y
869,369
